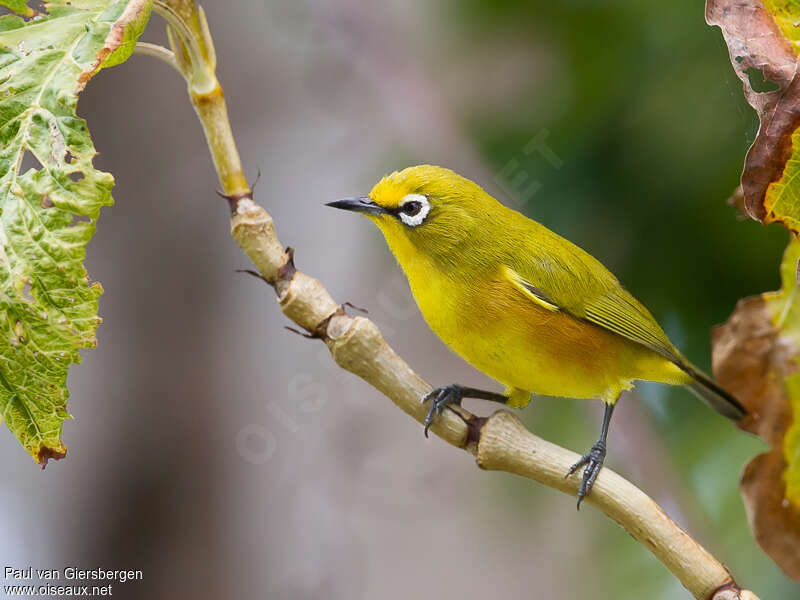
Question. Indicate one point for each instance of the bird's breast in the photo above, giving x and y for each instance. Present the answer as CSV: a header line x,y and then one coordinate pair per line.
x,y
485,319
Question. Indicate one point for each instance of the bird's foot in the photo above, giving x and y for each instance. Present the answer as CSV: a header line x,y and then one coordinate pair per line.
x,y
594,462
441,397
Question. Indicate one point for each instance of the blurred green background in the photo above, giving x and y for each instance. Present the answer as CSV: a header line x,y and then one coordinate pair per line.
x,y
227,457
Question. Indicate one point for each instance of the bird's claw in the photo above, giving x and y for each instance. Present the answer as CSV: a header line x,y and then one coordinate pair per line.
x,y
594,462
441,397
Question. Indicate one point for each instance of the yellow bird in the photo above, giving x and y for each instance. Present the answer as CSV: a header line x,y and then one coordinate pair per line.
x,y
522,304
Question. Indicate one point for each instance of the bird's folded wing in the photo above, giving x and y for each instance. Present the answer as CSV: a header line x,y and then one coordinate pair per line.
x,y
621,313
593,295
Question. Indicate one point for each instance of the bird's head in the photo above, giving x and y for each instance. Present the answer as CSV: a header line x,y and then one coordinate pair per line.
x,y
431,208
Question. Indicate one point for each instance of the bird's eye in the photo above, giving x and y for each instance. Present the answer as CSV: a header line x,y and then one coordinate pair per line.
x,y
413,209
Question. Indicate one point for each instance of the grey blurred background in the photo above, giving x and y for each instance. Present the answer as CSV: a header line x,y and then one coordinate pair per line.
x,y
226,456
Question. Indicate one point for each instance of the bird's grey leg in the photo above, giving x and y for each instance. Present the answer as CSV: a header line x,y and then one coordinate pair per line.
x,y
453,394
593,459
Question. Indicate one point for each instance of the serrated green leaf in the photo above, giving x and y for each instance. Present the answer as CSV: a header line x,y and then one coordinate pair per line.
x,y
50,198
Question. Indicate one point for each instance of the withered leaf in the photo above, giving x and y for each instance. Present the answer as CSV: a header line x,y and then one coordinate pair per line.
x,y
755,357
762,41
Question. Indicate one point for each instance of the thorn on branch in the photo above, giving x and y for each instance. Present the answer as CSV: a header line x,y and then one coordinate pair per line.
x,y
320,332
253,185
283,276
310,336
354,307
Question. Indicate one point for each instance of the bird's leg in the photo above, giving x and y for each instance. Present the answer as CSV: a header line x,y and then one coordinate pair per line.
x,y
593,459
447,395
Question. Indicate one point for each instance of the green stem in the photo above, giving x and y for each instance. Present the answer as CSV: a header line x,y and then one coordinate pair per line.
x,y
213,114
205,91
158,52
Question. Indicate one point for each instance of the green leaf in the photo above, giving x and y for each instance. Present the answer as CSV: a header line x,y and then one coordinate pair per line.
x,y
50,199
19,6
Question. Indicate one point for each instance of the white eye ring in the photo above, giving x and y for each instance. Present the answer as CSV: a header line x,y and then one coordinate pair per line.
x,y
412,220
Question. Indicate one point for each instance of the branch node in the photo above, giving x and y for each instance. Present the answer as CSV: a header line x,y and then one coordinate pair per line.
x,y
320,332
474,426
235,199
727,591
285,273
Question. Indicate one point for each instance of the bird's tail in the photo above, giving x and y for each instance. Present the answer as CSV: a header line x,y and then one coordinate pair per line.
x,y
712,394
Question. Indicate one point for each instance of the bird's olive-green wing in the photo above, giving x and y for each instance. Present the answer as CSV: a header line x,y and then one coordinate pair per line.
x,y
573,281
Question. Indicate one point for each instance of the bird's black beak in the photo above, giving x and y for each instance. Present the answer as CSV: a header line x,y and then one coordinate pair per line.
x,y
362,205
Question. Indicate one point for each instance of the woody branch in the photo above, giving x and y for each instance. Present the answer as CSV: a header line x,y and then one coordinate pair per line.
x,y
499,442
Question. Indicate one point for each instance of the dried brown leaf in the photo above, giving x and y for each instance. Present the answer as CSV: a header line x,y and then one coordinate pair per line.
x,y
760,38
755,357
